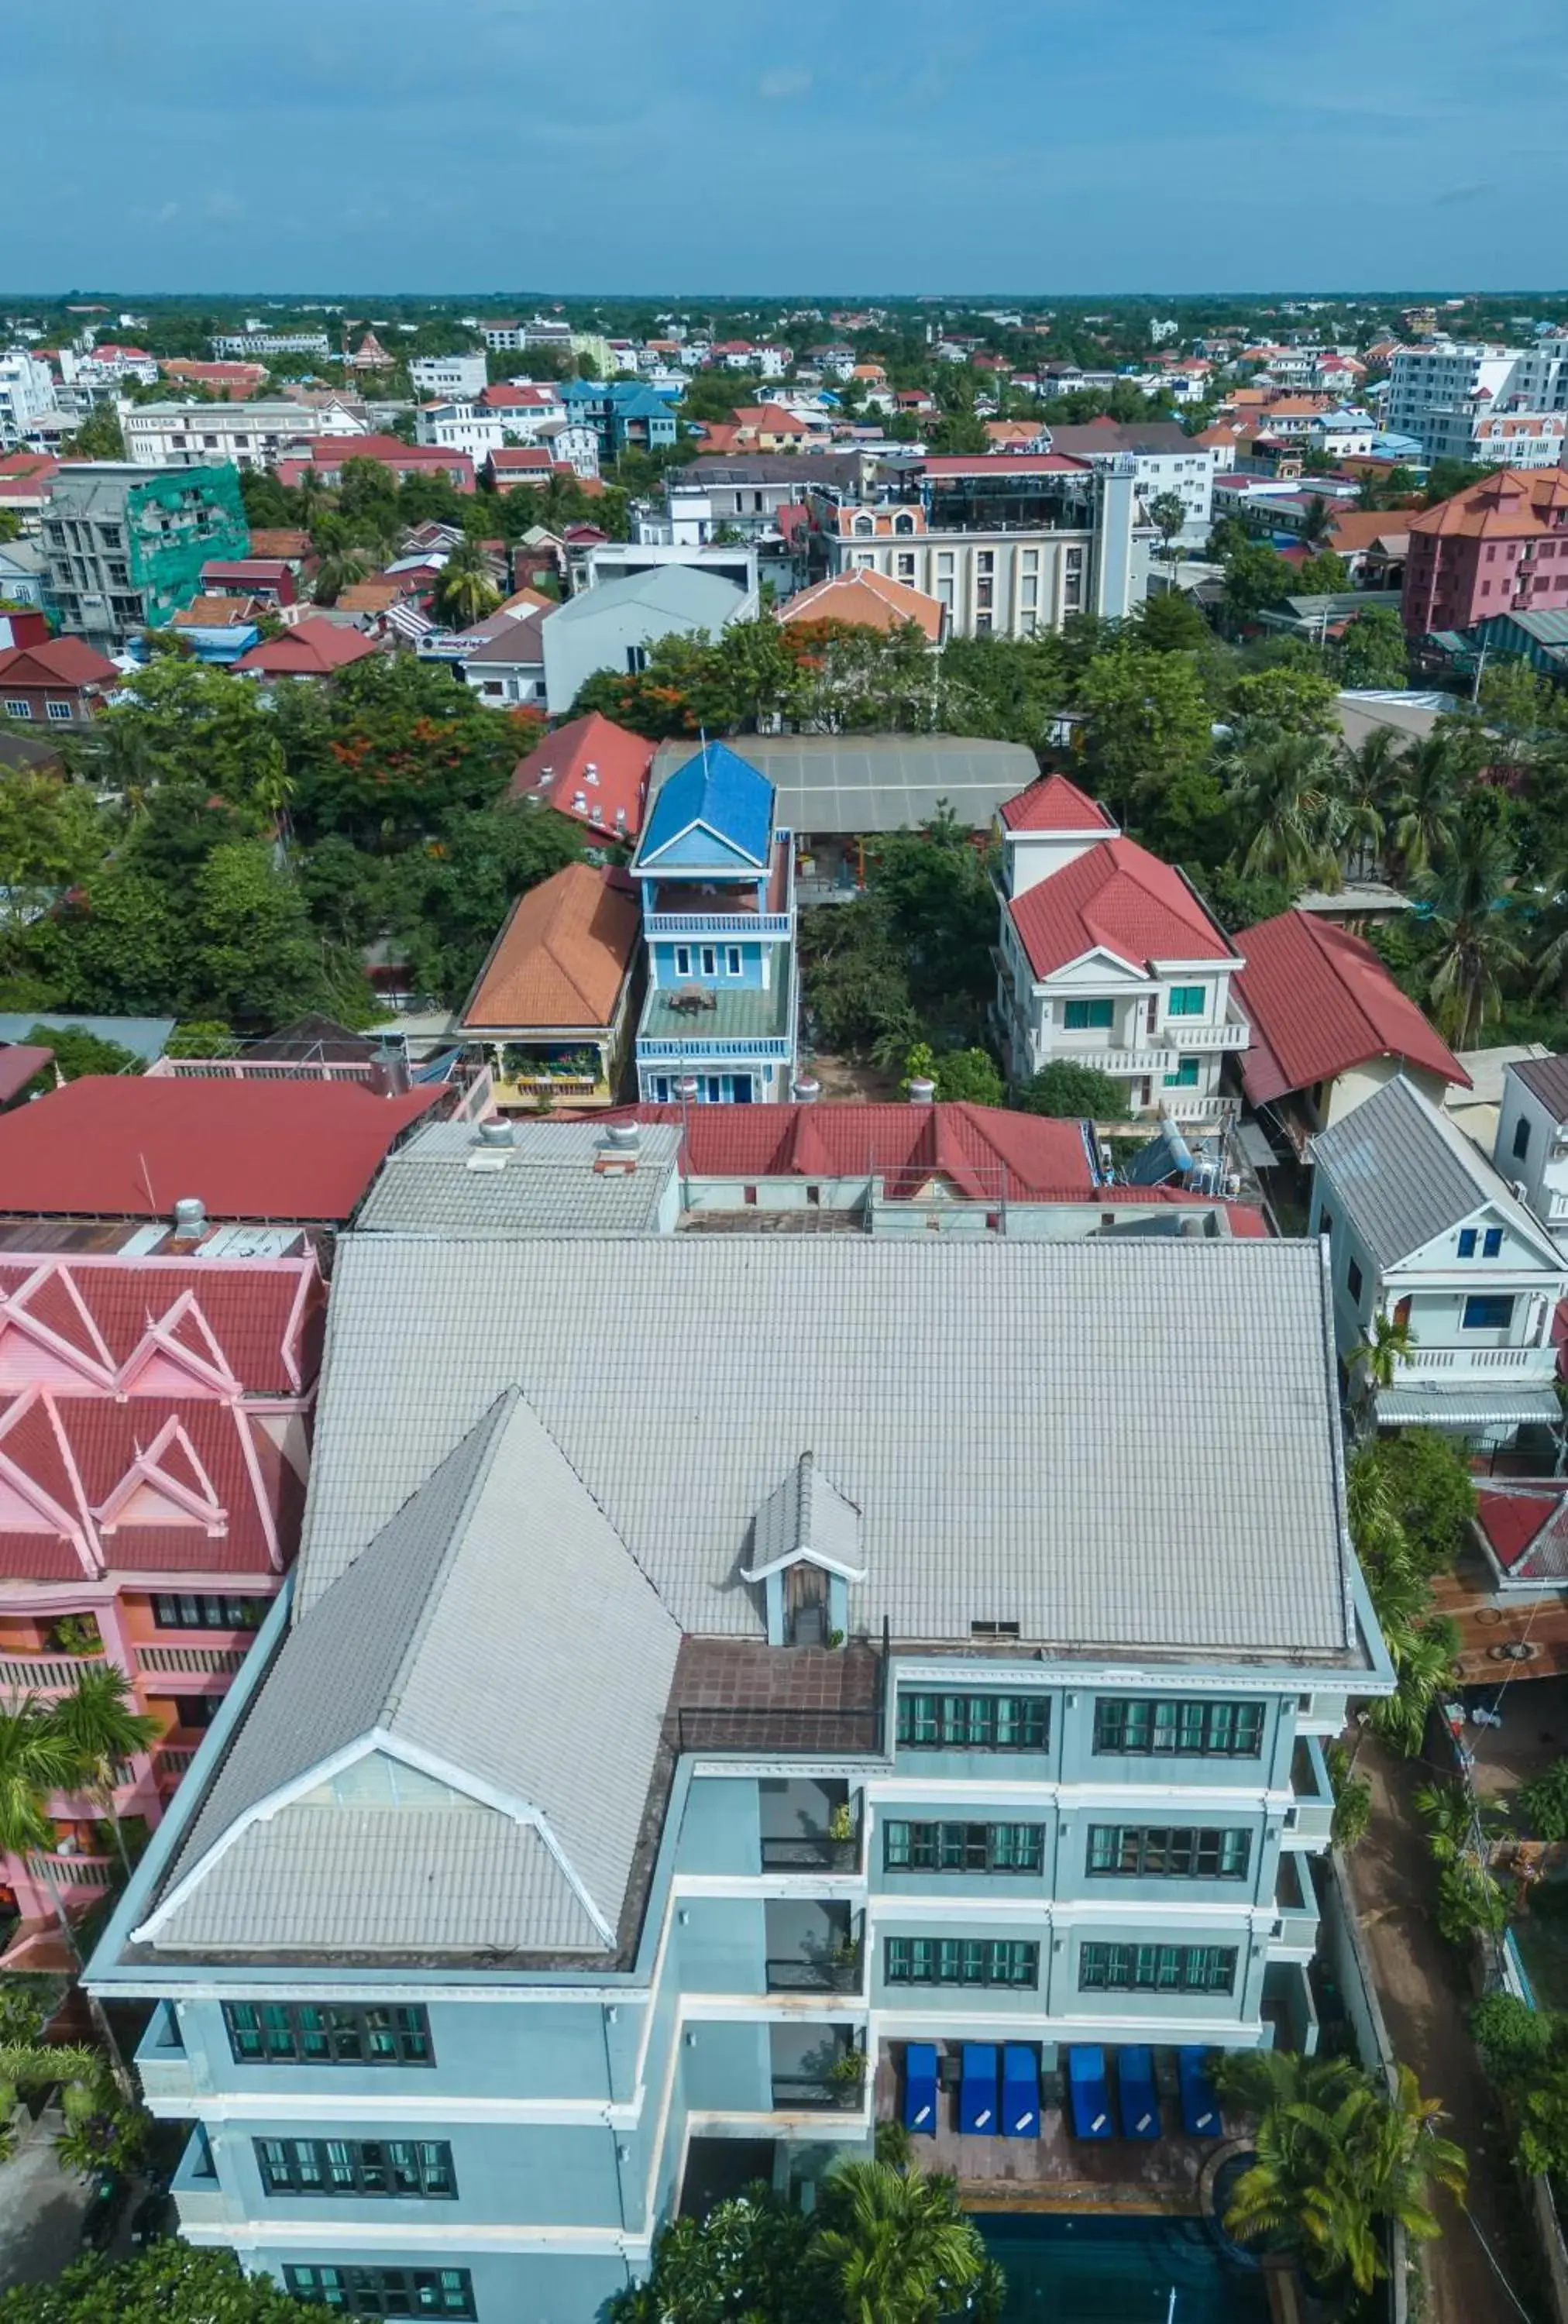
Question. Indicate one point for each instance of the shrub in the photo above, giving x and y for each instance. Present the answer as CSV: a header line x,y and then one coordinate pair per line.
x,y
1075,1093
1545,1800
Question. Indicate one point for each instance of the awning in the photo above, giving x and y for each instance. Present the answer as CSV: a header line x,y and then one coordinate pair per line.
x,y
1410,1407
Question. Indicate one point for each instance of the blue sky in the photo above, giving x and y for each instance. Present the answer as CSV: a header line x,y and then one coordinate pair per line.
x,y
712,145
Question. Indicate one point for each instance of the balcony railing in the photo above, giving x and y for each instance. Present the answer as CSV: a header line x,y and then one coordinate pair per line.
x,y
718,923
1519,1361
799,2094
812,1852
1190,1037
91,1875
188,1662
173,1761
44,1673
1310,1816
701,1045
797,1976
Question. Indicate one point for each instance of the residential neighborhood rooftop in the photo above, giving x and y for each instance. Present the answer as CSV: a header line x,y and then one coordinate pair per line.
x,y
1320,1000
562,957
536,1178
1406,1173
1119,899
850,783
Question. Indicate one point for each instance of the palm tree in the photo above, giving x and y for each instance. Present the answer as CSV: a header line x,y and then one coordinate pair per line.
x,y
1390,1344
465,592
1284,790
1317,523
1370,781
899,2248
1336,2158
1456,1822
1472,914
1423,1653
339,570
1432,773
37,1758
102,1731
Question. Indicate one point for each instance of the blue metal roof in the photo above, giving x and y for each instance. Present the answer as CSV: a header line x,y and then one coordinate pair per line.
x,y
723,792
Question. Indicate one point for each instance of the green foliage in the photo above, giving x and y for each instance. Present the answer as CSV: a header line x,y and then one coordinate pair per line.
x,y
961,1076
1525,2053
1148,717
449,898
1238,901
1073,1092
52,835
1432,1491
1545,1800
199,1037
1171,624
1353,1811
179,723
77,1052
855,978
172,2282
1470,1904
1372,652
1289,699
99,436
942,912
1336,2158
1256,577
1422,1645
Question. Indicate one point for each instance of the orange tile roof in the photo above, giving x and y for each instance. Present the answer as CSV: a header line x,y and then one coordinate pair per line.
x,y
869,601
1512,505
1360,529
562,957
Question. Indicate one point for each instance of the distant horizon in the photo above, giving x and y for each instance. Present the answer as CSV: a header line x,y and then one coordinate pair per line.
x,y
295,300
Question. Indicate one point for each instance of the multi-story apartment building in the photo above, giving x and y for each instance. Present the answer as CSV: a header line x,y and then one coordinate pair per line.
x,y
26,393
1010,543
858,1711
1482,404
448,378
1424,1231
126,547
716,880
251,435
231,344
624,412
1500,547
153,1441
1108,959
1164,459
462,426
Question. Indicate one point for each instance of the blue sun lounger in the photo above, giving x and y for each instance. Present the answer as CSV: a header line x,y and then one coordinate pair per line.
x,y
920,2087
1088,2091
1021,2092
977,2108
1139,2105
1200,2107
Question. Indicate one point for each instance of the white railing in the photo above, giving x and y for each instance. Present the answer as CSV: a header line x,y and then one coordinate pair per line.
x,y
91,1874
192,1662
1182,1107
1112,1061
718,923
44,1673
165,2074
1517,1361
700,1046
240,1069
1196,1037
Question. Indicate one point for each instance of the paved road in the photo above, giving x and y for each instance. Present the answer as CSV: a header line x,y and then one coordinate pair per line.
x,y
1425,2002
40,2212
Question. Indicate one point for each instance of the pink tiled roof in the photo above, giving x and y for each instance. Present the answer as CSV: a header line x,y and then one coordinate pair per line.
x,y
85,1322
1051,803
1319,1001
1117,897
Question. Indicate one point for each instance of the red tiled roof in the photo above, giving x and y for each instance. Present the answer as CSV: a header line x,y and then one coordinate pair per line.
x,y
309,650
1051,803
125,1146
984,1150
1319,1001
525,456
1526,1526
1119,897
19,1061
57,662
556,772
78,1319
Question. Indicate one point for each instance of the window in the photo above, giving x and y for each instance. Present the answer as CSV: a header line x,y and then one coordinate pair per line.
x,y
1139,1727
1488,1313
1467,1242
962,1847
710,961
1491,1243
683,960
1186,1001
61,712
961,1960
1157,1968
975,1723
264,2033
201,1610
1186,1076
1353,1282
1085,1016
15,708
732,960
356,2166
1167,1852
383,2290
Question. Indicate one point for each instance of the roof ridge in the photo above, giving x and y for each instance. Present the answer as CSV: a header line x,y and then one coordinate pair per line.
x,y
491,1421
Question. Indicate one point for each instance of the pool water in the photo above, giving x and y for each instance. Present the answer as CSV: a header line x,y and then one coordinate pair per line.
x,y
1118,2270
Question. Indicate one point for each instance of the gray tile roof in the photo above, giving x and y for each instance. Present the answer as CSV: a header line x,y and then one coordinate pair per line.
x,y
1127,1445
547,1184
807,1515
1404,1173
875,782
492,1605
1547,1079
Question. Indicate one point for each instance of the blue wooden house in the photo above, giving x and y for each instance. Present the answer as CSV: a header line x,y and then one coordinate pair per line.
x,y
717,885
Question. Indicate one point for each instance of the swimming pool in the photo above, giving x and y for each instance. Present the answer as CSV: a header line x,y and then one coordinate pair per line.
x,y
1118,2270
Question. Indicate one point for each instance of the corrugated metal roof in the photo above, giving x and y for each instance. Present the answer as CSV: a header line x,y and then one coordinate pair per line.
x,y
549,1183
1404,1174
829,783
1132,1446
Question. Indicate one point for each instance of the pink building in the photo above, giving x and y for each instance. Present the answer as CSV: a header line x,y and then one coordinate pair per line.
x,y
154,1433
1498,547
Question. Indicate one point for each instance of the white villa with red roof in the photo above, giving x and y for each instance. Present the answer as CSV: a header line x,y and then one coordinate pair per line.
x,y
1108,959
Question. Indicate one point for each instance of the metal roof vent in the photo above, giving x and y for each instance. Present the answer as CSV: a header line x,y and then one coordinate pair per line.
x,y
495,1131
922,1092
189,1216
806,1089
623,1137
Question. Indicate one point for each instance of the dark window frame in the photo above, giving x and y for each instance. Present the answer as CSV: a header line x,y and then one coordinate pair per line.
x,y
1166,1851
1116,1967
345,2290
1487,1311
328,2034
379,2169
973,1721
170,1609
1132,1727
921,1845
998,1961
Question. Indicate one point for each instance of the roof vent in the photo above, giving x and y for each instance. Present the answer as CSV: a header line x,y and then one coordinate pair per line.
x,y
806,1089
495,1131
591,773
623,1137
189,1216
922,1092
580,801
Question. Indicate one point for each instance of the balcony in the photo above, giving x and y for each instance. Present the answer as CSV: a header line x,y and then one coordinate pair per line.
x,y
195,2186
1294,1936
694,926
807,1826
171,1762
44,1673
1308,1820
77,1878
188,1662
812,2073
1196,1039
1506,1363
813,1948
162,2062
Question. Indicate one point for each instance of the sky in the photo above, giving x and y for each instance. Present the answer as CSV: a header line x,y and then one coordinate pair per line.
x,y
691,146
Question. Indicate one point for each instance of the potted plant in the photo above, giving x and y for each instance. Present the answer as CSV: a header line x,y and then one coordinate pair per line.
x,y
841,1822
76,1634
